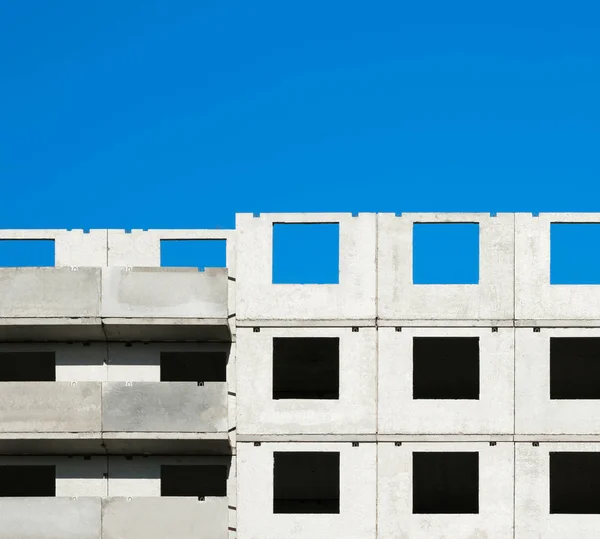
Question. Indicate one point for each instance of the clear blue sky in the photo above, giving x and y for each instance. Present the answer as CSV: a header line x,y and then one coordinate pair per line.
x,y
177,114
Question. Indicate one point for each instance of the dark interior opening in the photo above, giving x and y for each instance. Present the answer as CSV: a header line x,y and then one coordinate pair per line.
x,y
306,482
446,483
575,368
306,368
27,481
193,366
27,367
446,368
575,483
193,480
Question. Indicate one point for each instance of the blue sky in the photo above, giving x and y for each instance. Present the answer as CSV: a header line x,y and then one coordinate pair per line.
x,y
161,114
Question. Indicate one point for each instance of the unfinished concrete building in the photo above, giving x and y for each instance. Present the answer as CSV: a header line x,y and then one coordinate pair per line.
x,y
148,402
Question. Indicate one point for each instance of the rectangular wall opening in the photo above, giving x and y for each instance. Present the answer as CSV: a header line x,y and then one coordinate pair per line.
x,y
306,482
575,367
446,368
193,366
193,480
20,481
306,368
445,483
27,367
446,253
199,254
574,256
306,253
26,253
575,483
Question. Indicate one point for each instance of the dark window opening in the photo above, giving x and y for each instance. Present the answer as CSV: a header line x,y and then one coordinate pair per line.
x,y
575,368
199,254
306,368
445,483
445,253
193,480
26,253
27,367
193,366
573,256
306,482
575,483
306,253
446,368
19,481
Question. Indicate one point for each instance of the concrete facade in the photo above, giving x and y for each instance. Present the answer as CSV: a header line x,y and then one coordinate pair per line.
x,y
160,402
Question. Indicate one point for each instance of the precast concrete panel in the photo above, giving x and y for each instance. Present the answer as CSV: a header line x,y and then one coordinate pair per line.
x,y
537,302
533,519
400,302
354,412
400,413
357,516
537,415
396,519
260,302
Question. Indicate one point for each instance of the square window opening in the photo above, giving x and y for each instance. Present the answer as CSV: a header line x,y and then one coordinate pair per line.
x,y
445,253
193,480
575,483
574,368
445,483
27,367
193,366
25,481
306,482
306,253
446,368
26,253
574,256
199,254
306,368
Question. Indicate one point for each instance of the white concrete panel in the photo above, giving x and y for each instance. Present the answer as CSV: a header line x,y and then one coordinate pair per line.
x,y
258,299
396,519
399,413
532,496
537,300
357,516
536,413
353,413
399,299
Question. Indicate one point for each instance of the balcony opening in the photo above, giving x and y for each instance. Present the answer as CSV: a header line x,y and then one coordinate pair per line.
x,y
198,481
22,481
307,482
306,368
306,253
575,483
573,254
446,368
193,366
446,253
445,483
26,253
199,254
27,367
575,368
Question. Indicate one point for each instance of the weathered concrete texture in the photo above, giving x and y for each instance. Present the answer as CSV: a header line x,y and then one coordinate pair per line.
x,y
354,298
163,518
353,413
492,413
164,407
50,518
399,299
395,512
357,516
50,406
